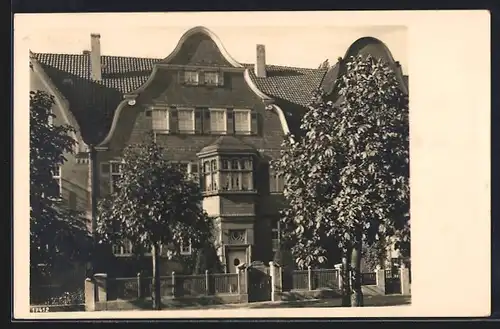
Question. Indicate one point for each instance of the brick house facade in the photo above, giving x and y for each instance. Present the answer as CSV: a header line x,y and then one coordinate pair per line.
x,y
221,120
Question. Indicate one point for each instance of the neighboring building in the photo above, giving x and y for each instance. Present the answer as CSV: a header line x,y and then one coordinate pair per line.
x,y
221,120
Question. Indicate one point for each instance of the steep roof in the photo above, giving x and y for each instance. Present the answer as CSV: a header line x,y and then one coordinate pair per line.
x,y
93,102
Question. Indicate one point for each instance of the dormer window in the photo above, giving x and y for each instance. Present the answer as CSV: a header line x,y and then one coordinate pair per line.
x,y
191,77
211,78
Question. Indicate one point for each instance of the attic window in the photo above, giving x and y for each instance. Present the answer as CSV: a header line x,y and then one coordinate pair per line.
x,y
191,77
211,78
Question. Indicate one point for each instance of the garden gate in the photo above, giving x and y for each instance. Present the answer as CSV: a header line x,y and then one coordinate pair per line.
x,y
259,282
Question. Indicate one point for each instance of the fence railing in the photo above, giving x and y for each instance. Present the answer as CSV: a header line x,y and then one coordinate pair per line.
x,y
174,285
368,279
325,279
314,279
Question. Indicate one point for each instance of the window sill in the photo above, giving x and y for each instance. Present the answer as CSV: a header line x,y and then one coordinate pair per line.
x,y
123,255
225,192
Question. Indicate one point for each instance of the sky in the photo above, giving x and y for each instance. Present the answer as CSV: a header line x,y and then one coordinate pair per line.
x,y
303,43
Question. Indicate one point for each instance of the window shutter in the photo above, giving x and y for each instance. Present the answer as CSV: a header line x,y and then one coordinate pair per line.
x,y
180,77
206,121
198,125
173,122
220,80
255,123
230,121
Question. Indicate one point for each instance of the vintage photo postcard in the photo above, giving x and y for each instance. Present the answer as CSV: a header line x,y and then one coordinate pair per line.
x,y
248,164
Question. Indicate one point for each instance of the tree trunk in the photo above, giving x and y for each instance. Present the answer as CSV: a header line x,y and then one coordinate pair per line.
x,y
357,294
346,287
156,278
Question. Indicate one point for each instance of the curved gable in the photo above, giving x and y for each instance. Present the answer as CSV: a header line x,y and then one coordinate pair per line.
x,y
370,46
363,46
200,46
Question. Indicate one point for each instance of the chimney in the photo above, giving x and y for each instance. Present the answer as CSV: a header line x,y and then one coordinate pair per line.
x,y
95,56
260,65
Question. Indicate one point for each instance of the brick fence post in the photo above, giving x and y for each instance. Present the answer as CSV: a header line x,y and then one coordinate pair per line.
x,y
101,281
139,286
380,277
242,282
338,268
309,278
404,277
90,294
276,281
207,284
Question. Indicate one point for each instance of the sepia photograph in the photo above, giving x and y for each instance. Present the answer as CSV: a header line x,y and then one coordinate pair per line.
x,y
205,166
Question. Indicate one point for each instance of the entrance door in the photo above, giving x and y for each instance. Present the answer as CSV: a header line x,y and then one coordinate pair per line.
x,y
235,258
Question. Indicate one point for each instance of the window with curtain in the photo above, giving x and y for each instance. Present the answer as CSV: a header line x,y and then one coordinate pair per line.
x,y
218,121
185,119
242,121
160,122
237,174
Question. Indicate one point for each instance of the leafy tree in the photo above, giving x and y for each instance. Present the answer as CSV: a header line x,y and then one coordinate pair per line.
x,y
155,204
58,234
348,177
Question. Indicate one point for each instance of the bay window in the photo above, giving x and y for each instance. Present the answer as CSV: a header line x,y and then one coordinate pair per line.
x,y
237,174
210,175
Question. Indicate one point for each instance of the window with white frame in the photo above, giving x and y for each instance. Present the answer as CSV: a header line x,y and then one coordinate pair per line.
x,y
149,251
191,77
218,121
186,248
160,119
236,174
124,248
211,78
56,175
185,119
242,121
115,174
210,174
276,183
193,172
275,234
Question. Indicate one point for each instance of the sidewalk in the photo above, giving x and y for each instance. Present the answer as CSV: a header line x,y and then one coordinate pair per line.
x,y
387,300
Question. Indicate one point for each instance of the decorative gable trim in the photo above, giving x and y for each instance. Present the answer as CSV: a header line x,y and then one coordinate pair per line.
x,y
128,100
211,35
60,101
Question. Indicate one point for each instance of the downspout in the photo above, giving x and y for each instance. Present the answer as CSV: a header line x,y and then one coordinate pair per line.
x,y
93,189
